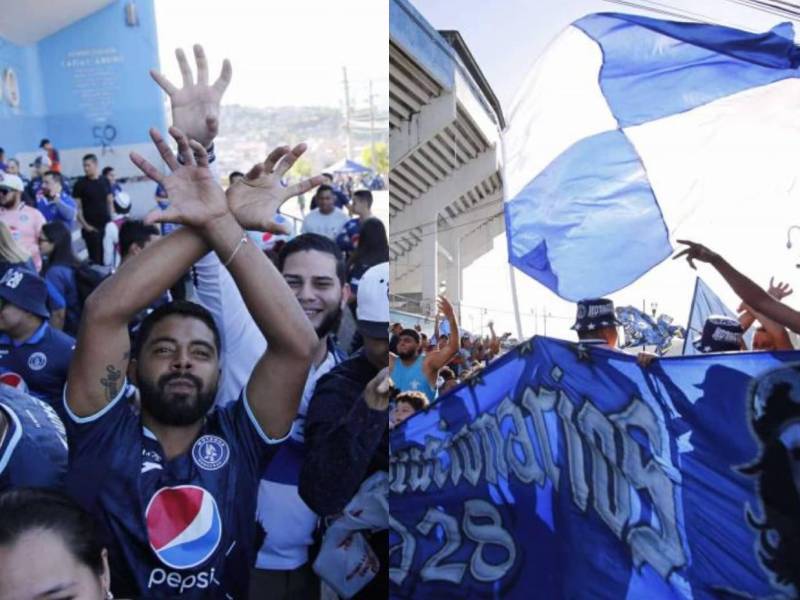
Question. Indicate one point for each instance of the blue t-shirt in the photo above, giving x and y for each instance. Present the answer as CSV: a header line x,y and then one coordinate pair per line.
x,y
38,365
52,213
62,278
180,528
33,451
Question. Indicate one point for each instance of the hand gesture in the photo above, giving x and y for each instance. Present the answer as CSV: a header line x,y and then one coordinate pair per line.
x,y
779,291
378,390
255,199
694,252
196,199
444,306
195,106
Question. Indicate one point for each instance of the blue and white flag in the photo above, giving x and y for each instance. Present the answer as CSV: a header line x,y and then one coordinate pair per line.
x,y
566,471
704,304
643,330
625,126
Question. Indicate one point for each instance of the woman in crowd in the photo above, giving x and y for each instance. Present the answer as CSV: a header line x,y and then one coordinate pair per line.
x,y
49,548
59,265
373,249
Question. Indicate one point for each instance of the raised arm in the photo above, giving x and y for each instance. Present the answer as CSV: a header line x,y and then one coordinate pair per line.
x,y
752,295
102,352
438,358
277,381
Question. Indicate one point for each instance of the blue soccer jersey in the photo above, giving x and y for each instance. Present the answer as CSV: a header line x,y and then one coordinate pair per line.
x,y
33,449
175,528
38,365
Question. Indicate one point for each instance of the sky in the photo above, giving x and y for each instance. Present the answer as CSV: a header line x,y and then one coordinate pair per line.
x,y
753,241
283,53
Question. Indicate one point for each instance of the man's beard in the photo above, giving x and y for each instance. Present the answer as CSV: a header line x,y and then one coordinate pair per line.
x,y
178,410
408,354
329,323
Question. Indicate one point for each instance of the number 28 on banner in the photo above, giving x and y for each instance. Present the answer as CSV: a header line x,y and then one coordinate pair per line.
x,y
482,525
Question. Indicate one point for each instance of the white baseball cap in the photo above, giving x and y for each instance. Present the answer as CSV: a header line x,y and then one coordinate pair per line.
x,y
11,182
372,308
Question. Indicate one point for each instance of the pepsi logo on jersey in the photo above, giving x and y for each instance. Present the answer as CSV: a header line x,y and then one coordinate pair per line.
x,y
183,525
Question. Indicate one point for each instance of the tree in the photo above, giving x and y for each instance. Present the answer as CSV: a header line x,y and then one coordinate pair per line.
x,y
301,169
382,155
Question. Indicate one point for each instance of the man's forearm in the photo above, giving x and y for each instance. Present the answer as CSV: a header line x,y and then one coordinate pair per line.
x,y
750,293
269,300
142,278
454,342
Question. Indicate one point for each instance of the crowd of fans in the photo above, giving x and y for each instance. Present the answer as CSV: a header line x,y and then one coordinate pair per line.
x,y
212,440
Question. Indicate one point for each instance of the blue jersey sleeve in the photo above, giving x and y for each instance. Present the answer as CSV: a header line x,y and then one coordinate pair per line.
x,y
256,448
100,434
55,300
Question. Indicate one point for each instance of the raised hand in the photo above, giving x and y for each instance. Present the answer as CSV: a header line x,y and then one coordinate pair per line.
x,y
378,390
444,306
694,252
195,106
255,199
196,199
779,291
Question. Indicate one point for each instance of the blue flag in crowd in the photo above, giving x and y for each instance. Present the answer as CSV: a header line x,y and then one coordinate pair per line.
x,y
567,471
704,304
627,127
643,330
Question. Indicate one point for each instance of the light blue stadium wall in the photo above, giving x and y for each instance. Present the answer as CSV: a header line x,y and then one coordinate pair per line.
x,y
87,88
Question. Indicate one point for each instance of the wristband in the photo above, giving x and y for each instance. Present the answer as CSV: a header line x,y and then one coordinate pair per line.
x,y
241,243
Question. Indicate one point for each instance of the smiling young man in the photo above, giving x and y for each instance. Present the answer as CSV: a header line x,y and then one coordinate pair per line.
x,y
313,268
174,486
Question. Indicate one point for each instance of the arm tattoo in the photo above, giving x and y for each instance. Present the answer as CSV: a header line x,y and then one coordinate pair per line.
x,y
111,383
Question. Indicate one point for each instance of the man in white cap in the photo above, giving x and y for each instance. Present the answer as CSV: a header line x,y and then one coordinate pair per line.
x,y
347,435
24,221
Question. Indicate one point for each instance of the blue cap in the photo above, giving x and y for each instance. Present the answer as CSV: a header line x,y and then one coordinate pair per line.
x,y
595,313
720,334
25,290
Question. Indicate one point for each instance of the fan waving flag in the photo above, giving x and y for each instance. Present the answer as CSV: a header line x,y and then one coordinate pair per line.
x,y
625,126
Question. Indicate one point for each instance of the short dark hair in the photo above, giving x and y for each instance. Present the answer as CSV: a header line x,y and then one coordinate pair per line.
x,y
26,509
235,174
413,333
364,196
90,156
55,175
417,400
43,142
324,188
134,232
183,308
313,241
107,170
328,175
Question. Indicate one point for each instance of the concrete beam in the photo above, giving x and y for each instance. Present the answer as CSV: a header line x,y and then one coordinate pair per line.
x,y
432,202
421,127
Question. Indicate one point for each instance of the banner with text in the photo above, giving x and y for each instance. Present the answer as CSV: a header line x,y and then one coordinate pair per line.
x,y
567,471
